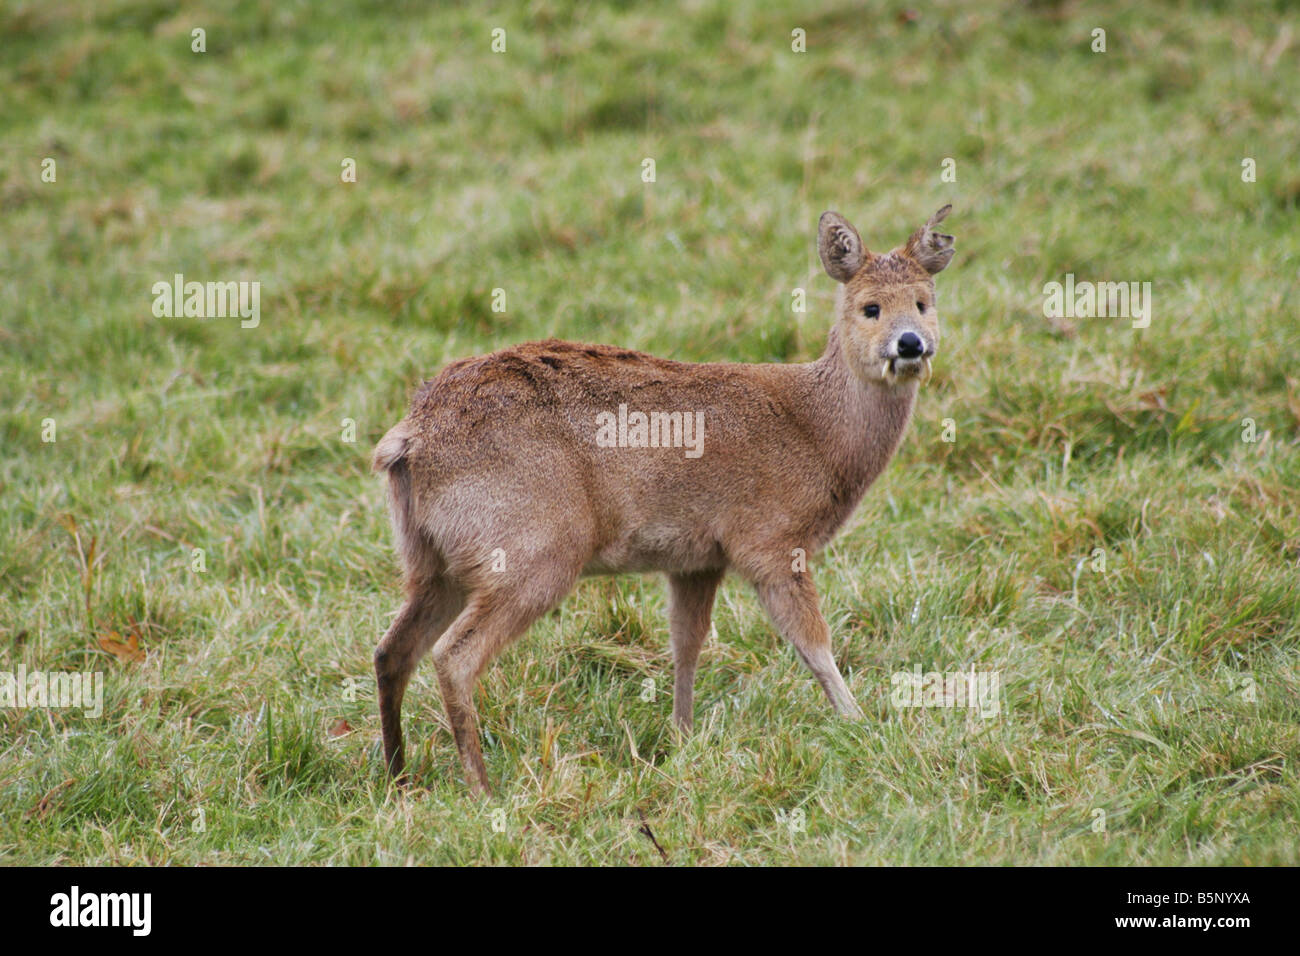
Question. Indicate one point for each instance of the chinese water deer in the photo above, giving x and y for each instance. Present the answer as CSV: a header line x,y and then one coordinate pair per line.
x,y
515,473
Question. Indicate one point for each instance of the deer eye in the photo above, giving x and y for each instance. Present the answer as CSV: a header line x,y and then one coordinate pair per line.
x,y
920,305
872,311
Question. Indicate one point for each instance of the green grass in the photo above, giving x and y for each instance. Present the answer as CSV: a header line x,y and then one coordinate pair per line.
x,y
1162,690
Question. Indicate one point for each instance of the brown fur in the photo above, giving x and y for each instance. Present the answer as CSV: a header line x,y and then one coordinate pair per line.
x,y
497,460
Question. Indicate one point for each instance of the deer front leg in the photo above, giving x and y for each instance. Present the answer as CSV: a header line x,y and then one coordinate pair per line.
x,y
790,599
690,608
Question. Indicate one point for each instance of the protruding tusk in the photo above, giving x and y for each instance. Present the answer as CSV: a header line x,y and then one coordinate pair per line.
x,y
929,371
884,371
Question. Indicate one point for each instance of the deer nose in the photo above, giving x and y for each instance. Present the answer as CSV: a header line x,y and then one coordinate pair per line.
x,y
910,345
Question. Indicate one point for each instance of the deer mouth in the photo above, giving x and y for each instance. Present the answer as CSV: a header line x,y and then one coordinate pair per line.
x,y
898,368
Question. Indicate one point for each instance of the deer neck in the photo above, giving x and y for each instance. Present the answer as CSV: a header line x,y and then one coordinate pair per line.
x,y
863,421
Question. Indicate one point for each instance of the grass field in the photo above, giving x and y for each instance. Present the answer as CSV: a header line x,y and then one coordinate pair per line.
x,y
1102,534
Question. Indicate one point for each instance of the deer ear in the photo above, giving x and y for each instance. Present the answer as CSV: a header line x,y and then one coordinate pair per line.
x,y
932,250
840,247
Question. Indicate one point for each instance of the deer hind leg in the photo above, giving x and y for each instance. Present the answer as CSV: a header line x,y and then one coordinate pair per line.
x,y
690,609
430,606
790,599
493,618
